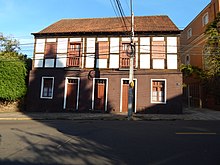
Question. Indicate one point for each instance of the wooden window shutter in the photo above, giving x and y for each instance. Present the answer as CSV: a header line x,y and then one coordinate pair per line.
x,y
102,50
51,49
158,50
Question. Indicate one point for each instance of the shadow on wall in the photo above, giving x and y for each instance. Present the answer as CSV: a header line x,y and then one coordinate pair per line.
x,y
172,106
59,102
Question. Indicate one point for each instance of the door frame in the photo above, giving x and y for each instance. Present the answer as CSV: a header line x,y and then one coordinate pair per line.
x,y
65,92
93,93
135,94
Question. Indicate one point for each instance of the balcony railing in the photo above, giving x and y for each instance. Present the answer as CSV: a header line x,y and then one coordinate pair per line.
x,y
73,61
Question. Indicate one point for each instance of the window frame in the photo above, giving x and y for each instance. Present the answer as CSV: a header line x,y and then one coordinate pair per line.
x,y
189,33
165,92
75,53
205,19
42,88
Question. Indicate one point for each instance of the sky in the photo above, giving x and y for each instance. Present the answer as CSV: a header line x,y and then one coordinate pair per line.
x,y
20,18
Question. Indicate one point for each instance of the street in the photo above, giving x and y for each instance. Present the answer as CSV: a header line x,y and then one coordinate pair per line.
x,y
92,142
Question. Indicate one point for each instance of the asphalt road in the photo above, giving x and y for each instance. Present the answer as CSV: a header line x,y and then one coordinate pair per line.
x,y
110,142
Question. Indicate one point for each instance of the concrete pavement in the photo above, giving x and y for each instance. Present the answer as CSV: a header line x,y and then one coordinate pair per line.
x,y
188,114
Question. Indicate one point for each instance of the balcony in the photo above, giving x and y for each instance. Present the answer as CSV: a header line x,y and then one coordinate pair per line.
x,y
73,61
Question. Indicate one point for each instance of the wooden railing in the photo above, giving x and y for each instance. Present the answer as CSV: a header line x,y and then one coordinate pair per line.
x,y
73,62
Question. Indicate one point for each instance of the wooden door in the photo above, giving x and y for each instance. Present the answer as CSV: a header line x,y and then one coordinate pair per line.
x,y
125,93
71,96
125,87
100,92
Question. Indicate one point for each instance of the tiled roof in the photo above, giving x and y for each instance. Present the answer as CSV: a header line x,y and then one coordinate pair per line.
x,y
142,24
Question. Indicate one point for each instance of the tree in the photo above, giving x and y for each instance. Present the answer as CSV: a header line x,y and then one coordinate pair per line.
x,y
12,70
8,45
212,48
212,58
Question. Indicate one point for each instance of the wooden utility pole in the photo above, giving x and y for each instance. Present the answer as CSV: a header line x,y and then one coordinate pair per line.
x,y
131,70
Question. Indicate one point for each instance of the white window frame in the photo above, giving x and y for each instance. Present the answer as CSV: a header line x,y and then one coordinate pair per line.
x,y
189,33
42,87
187,62
165,91
205,19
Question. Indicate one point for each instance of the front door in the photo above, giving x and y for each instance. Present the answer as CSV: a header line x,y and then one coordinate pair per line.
x,y
124,102
100,94
72,94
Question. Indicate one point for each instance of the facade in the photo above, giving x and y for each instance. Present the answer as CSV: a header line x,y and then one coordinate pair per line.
x,y
193,38
82,65
192,42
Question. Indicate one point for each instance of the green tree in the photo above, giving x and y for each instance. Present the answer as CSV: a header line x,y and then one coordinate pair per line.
x,y
12,70
212,58
212,48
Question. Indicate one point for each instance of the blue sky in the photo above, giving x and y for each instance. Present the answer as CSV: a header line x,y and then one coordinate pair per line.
x,y
19,18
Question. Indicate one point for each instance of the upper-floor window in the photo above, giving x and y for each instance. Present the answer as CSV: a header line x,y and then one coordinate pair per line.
x,y
102,49
189,33
51,50
158,50
124,57
187,59
205,19
74,54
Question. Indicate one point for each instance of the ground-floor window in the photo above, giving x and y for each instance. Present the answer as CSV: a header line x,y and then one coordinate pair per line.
x,y
158,91
47,84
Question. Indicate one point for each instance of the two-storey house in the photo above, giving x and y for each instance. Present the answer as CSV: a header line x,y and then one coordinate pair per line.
x,y
83,65
192,42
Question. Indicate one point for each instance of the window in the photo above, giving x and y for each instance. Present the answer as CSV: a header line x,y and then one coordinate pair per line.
x,y
102,50
51,50
158,91
158,50
47,87
124,58
187,60
205,19
189,33
74,54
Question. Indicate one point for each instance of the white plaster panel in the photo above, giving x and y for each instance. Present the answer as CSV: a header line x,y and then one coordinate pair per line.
x,y
114,45
62,45
145,45
158,63
51,40
49,63
158,38
127,39
38,60
40,44
90,61
145,61
114,61
171,44
171,61
102,39
61,60
75,40
90,45
101,63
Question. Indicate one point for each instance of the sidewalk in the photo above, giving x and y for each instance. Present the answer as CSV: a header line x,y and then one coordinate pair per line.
x,y
188,114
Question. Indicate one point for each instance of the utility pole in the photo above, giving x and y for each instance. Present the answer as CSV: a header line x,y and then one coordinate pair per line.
x,y
131,69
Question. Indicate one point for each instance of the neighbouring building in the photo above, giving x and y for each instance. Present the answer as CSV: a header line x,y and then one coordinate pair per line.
x,y
192,42
82,65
